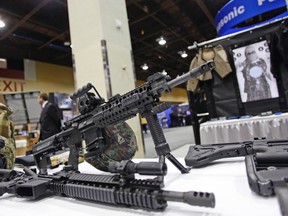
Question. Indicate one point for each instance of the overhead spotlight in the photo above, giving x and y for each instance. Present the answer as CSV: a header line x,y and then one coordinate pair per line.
x,y
161,41
67,43
144,66
2,24
183,54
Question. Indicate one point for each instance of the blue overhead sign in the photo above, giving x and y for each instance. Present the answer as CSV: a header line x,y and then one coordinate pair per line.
x,y
238,11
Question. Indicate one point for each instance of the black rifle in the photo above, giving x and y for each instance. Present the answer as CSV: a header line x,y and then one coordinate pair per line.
x,y
266,164
119,189
97,114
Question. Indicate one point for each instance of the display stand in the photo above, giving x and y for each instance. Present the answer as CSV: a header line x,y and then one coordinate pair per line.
x,y
224,96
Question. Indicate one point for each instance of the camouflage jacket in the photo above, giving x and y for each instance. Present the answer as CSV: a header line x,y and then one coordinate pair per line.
x,y
7,134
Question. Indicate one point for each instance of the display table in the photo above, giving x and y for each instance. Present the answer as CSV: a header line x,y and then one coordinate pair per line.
x,y
226,179
24,144
237,130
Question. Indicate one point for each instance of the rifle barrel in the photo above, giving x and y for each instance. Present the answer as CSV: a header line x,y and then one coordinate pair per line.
x,y
195,72
194,198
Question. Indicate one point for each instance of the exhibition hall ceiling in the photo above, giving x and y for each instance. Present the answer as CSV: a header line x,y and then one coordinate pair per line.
x,y
39,30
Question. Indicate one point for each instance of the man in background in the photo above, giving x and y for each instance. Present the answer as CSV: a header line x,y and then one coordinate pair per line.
x,y
50,122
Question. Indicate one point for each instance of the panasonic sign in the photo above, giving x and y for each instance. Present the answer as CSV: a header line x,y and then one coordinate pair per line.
x,y
231,15
237,11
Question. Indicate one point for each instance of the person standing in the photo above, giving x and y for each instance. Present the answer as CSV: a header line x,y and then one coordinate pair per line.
x,y
50,122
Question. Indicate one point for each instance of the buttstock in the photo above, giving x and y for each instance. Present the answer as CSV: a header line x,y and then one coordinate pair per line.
x,y
200,155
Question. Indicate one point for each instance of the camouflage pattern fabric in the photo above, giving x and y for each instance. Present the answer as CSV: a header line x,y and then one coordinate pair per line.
x,y
7,134
122,146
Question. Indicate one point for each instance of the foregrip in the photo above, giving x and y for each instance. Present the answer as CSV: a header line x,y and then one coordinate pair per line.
x,y
161,146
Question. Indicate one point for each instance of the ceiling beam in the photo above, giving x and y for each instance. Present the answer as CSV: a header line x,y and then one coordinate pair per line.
x,y
63,3
146,49
24,19
149,14
206,11
161,22
53,39
162,52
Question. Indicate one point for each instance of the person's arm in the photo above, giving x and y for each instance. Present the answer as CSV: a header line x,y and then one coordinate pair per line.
x,y
266,73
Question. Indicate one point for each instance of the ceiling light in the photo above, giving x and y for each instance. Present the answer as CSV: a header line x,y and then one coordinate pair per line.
x,y
161,41
183,54
67,43
144,66
2,24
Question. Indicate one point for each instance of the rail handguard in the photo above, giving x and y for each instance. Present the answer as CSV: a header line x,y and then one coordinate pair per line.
x,y
115,189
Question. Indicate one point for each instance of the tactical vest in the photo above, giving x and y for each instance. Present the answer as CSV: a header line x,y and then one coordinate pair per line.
x,y
7,152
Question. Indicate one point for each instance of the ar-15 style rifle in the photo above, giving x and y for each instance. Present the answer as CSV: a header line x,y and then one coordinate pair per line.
x,y
266,164
119,189
97,114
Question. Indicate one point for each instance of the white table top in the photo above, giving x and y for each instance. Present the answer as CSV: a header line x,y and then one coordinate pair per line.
x,y
226,179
